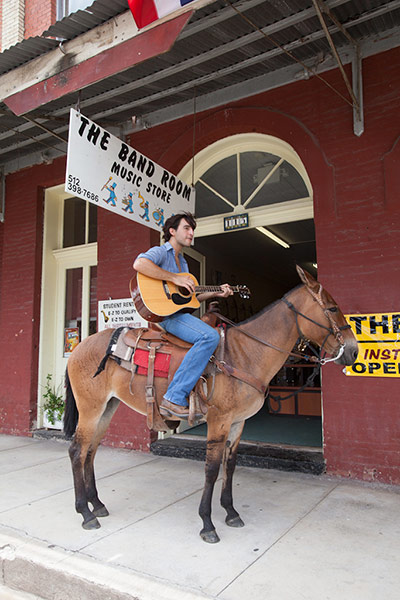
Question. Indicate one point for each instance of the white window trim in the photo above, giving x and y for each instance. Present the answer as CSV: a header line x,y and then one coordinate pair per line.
x,y
54,264
62,12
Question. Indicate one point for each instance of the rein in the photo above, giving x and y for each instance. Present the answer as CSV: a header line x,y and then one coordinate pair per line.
x,y
317,359
278,399
332,330
264,342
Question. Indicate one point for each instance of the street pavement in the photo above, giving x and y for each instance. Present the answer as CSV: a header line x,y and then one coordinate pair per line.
x,y
305,537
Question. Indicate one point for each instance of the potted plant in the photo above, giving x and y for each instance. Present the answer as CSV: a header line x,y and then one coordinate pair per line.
x,y
53,406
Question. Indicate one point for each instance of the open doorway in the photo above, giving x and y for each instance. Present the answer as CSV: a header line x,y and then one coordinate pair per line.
x,y
260,180
268,269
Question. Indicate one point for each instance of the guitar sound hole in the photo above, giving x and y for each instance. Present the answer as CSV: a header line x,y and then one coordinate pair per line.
x,y
180,300
184,292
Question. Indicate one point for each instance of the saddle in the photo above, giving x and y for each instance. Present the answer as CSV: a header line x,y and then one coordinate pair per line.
x,y
154,352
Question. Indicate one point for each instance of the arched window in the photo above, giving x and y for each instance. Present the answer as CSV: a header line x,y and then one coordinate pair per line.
x,y
253,173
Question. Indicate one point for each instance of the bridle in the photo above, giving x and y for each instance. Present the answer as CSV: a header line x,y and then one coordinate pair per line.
x,y
317,359
334,329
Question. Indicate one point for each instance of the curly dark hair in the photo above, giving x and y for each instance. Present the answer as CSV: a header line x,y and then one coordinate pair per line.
x,y
173,223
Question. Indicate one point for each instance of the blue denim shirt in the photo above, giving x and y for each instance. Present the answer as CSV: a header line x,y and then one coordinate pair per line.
x,y
164,257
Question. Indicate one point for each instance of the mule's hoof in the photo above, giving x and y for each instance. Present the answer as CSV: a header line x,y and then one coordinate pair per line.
x,y
210,537
101,512
234,522
92,524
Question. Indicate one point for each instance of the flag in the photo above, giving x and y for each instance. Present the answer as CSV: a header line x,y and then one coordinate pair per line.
x,y
146,11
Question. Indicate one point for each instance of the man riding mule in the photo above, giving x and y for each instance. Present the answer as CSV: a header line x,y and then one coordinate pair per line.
x,y
163,263
258,346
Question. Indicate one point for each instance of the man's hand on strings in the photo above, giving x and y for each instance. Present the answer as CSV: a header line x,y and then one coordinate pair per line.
x,y
186,282
226,291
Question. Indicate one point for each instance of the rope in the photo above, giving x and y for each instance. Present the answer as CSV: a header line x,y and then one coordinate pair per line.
x,y
194,132
288,53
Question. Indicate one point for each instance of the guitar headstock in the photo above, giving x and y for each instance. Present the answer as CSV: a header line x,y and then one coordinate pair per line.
x,y
244,292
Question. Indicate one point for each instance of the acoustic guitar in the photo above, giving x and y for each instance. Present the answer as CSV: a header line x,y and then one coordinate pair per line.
x,y
155,299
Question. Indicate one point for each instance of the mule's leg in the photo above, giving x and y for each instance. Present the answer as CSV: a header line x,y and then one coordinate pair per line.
x,y
216,438
78,452
99,510
229,462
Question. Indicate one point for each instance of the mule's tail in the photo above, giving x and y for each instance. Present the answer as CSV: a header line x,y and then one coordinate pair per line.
x,y
71,411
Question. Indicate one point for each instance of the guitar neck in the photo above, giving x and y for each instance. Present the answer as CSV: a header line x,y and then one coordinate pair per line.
x,y
204,289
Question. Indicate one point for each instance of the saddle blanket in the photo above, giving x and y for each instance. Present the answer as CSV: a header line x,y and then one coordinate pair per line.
x,y
161,363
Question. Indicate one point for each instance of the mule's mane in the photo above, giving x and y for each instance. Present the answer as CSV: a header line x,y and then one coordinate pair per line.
x,y
269,306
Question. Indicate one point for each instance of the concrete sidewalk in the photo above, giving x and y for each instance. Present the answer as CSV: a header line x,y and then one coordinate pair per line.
x,y
307,537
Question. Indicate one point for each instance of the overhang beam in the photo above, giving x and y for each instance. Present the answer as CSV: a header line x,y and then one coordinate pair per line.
x,y
139,48
354,89
72,52
68,54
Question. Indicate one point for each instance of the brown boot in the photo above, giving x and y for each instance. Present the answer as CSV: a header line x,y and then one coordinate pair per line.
x,y
169,409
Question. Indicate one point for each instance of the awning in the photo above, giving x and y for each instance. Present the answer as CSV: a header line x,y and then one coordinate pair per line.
x,y
226,51
114,60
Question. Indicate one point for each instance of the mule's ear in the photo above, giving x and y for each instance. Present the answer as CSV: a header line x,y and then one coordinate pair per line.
x,y
307,279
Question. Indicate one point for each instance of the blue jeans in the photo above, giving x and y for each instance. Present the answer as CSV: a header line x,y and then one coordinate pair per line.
x,y
204,338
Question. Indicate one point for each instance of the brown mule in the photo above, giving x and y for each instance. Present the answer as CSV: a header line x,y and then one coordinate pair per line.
x,y
308,311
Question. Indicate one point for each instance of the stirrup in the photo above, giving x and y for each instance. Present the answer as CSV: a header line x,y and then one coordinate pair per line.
x,y
195,409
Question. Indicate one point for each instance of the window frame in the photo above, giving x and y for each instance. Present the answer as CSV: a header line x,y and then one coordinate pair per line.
x,y
271,214
63,11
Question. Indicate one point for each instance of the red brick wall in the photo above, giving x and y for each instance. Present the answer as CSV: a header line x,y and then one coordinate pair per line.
x,y
39,15
355,183
20,294
357,215
1,254
21,239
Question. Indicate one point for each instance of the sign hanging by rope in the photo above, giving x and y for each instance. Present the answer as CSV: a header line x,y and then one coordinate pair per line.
x,y
107,172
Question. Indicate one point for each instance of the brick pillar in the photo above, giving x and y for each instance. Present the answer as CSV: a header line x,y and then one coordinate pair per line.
x,y
39,15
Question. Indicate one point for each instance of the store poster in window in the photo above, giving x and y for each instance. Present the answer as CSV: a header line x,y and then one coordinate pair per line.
x,y
71,340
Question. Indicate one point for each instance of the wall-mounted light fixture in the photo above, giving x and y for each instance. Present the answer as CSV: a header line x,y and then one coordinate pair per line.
x,y
273,237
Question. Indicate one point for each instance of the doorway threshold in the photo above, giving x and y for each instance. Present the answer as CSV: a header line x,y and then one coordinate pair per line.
x,y
303,459
48,434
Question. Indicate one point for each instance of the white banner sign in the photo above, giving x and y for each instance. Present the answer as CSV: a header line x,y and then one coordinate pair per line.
x,y
118,313
111,174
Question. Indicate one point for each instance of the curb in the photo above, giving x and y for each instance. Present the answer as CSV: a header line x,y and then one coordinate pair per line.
x,y
51,573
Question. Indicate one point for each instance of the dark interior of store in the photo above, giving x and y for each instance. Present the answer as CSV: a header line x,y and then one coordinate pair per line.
x,y
250,258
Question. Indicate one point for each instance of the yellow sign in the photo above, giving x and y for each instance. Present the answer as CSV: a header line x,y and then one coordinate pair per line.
x,y
378,337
